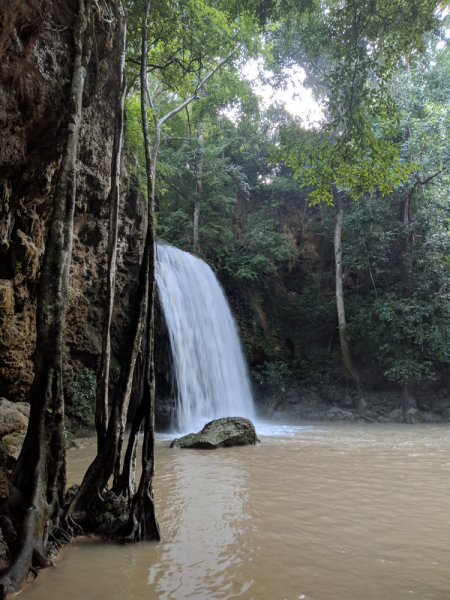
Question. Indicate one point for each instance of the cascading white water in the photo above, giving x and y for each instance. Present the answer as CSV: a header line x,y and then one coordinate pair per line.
x,y
210,369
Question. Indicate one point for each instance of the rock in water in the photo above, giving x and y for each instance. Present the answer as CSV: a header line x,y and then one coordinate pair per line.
x,y
229,431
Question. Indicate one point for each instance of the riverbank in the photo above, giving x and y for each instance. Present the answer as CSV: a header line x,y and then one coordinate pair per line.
x,y
331,403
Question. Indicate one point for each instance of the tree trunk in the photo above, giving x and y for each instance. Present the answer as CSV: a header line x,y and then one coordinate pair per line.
x,y
142,514
345,348
198,198
39,476
108,457
142,522
101,412
126,484
408,398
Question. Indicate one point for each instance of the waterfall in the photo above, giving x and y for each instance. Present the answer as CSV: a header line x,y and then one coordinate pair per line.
x,y
209,365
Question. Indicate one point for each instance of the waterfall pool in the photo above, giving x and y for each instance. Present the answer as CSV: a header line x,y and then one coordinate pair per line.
x,y
323,512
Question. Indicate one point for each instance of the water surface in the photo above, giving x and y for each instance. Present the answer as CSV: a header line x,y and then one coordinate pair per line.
x,y
324,512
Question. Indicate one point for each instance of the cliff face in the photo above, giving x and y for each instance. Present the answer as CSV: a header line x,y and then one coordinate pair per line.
x,y
36,54
273,311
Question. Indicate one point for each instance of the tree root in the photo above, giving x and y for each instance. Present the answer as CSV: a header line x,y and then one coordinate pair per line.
x,y
126,532
141,524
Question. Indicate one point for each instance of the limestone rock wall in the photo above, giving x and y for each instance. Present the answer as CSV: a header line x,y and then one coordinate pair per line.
x,y
36,54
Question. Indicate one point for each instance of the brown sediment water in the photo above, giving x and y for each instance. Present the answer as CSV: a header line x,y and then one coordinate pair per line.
x,y
323,512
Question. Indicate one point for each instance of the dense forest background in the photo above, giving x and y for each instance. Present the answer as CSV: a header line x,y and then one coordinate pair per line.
x,y
268,235
248,187
125,122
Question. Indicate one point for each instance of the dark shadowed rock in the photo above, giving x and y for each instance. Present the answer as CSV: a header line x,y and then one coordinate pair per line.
x,y
396,415
370,414
413,416
339,395
337,414
440,404
446,414
430,417
362,406
383,420
229,431
347,401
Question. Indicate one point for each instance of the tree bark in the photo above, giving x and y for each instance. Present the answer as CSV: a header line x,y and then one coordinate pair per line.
x,y
198,198
126,484
408,397
142,513
347,360
101,412
39,476
142,523
108,457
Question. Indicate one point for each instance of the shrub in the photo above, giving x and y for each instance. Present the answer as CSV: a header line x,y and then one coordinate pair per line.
x,y
83,387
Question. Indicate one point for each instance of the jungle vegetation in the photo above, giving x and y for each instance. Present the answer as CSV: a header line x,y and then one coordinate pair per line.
x,y
200,142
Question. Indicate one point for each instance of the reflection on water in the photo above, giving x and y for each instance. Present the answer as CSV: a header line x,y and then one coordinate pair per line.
x,y
329,512
208,498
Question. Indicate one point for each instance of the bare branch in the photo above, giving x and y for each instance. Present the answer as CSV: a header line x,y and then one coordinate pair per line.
x,y
175,111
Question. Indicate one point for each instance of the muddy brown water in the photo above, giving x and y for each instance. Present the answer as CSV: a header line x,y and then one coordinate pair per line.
x,y
323,512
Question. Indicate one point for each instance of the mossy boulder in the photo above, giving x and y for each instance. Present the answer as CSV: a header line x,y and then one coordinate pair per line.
x,y
229,431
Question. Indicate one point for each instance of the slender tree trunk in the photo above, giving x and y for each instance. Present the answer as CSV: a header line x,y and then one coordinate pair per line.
x,y
126,485
142,513
142,522
108,458
198,198
345,348
101,412
408,398
39,476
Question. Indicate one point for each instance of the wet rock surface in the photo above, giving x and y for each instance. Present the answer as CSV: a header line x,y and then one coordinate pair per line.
x,y
334,403
229,431
413,416
13,417
33,121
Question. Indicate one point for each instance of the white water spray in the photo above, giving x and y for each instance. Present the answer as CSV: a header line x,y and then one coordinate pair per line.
x,y
210,369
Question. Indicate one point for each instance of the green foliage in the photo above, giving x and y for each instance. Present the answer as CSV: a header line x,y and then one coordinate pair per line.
x,y
350,51
266,249
233,167
384,88
321,162
274,376
83,388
